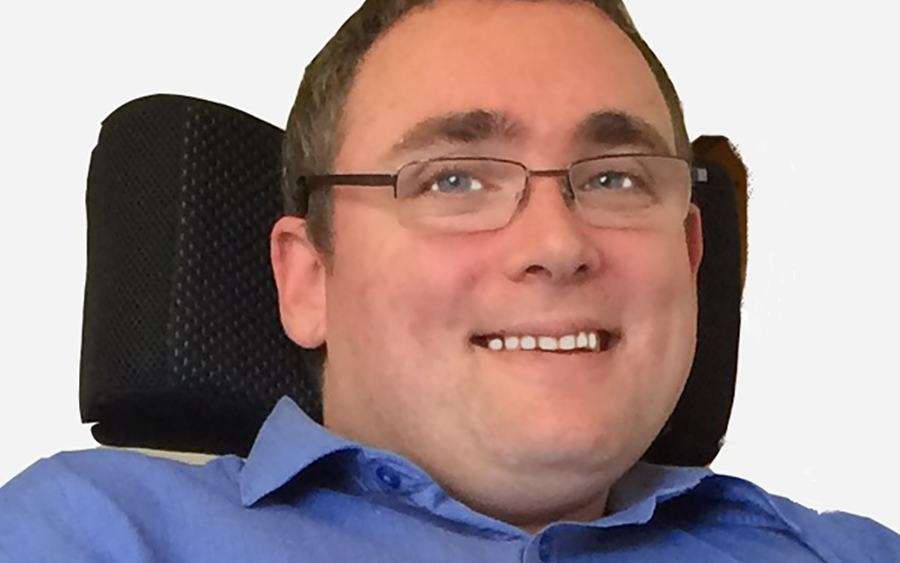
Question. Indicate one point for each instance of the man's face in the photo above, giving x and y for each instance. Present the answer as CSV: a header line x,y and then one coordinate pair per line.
x,y
405,308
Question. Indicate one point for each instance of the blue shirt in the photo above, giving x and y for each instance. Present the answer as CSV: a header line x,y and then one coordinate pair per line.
x,y
306,495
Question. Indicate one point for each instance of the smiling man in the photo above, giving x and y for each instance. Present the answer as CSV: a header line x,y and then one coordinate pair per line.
x,y
520,335
489,226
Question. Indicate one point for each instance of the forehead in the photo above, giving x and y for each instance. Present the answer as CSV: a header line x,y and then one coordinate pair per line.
x,y
546,65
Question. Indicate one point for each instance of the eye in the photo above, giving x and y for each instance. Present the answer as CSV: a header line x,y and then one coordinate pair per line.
x,y
455,182
611,180
458,179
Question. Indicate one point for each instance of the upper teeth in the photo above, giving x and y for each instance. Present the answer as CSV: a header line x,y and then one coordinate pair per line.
x,y
581,341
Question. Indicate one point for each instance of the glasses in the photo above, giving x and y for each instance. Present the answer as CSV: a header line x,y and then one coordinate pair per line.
x,y
474,194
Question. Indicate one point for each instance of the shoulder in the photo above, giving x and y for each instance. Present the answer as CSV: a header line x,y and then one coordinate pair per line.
x,y
77,477
836,536
72,504
848,536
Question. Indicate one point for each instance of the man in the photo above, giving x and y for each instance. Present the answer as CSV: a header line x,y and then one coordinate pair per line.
x,y
409,295
501,256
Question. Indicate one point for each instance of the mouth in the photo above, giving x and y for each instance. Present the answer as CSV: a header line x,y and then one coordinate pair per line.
x,y
579,342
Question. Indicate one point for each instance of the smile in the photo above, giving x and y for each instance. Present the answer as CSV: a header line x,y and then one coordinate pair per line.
x,y
587,341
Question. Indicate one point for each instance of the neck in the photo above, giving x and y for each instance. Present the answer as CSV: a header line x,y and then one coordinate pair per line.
x,y
533,504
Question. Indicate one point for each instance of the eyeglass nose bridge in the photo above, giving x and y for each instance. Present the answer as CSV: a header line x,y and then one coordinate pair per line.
x,y
565,186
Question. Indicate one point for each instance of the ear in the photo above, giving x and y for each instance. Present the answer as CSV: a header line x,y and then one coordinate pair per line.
x,y
300,277
693,233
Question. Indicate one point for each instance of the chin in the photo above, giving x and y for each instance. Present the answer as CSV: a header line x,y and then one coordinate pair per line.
x,y
555,446
531,495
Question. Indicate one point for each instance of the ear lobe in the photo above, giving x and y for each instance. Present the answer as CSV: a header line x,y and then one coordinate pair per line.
x,y
300,278
693,232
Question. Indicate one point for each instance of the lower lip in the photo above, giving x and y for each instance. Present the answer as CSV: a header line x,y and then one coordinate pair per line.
x,y
549,368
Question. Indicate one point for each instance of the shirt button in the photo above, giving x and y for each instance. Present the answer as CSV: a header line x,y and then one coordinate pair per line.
x,y
388,476
545,548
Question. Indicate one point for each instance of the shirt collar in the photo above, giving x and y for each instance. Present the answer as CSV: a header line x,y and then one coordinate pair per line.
x,y
289,442
634,497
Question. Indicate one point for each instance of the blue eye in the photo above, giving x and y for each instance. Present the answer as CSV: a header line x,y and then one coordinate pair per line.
x,y
455,182
611,180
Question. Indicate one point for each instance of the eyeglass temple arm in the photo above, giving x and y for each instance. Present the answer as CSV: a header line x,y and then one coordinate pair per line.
x,y
348,179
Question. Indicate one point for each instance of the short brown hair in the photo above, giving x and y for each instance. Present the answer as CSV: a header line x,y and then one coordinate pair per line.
x,y
315,127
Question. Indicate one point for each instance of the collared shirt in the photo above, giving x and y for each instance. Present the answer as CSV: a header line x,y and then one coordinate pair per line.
x,y
307,495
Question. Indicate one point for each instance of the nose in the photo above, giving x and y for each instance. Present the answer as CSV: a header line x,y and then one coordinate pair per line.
x,y
546,240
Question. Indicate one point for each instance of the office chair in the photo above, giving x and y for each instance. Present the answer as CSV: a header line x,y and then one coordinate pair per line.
x,y
182,346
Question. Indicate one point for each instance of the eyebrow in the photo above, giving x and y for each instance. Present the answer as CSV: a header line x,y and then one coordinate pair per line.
x,y
602,129
615,128
458,128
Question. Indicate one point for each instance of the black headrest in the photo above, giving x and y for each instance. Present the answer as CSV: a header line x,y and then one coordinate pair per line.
x,y
182,345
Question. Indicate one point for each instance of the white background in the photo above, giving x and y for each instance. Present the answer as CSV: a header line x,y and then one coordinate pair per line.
x,y
808,93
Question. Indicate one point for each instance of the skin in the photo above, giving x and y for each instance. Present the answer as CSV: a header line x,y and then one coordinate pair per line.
x,y
526,437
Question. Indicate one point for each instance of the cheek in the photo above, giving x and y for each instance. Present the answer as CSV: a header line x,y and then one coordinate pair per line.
x,y
659,305
440,285
655,268
400,288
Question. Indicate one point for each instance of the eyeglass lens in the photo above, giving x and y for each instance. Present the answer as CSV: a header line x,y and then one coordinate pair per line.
x,y
460,194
